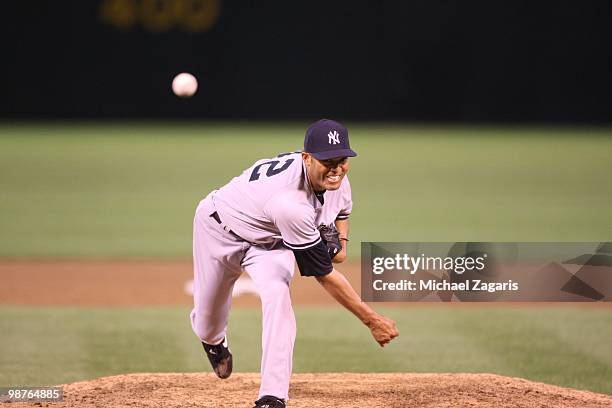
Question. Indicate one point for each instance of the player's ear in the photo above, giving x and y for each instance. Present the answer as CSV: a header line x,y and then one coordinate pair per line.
x,y
306,157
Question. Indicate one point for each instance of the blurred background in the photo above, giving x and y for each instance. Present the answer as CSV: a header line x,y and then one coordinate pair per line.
x,y
367,60
474,121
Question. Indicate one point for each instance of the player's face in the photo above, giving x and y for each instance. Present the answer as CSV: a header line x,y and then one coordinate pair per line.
x,y
326,174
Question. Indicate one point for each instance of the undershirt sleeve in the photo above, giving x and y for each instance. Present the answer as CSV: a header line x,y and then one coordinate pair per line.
x,y
314,261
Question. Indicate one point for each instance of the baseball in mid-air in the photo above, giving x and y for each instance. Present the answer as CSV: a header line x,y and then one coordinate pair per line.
x,y
184,85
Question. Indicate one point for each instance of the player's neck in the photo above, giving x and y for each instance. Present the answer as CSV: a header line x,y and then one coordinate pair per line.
x,y
319,192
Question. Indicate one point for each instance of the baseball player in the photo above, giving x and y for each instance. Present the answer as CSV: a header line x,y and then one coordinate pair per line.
x,y
287,209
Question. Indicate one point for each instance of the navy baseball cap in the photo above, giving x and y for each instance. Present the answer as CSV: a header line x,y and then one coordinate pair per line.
x,y
326,139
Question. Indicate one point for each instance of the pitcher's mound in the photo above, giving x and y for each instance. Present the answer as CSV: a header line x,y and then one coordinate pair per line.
x,y
327,390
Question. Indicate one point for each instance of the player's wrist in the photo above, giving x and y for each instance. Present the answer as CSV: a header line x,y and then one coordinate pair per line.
x,y
369,316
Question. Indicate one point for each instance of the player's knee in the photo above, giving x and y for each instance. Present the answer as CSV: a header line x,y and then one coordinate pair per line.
x,y
278,290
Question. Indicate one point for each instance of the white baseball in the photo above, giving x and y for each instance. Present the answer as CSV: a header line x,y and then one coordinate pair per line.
x,y
184,85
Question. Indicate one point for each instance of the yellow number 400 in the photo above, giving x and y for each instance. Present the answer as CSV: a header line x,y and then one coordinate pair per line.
x,y
160,15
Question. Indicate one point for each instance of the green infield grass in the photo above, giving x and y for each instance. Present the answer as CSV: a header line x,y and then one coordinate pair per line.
x,y
129,190
567,346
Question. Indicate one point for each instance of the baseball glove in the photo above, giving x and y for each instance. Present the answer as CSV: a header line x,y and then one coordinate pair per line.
x,y
331,238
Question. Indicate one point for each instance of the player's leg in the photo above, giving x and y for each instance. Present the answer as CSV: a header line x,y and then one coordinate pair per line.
x,y
216,265
272,270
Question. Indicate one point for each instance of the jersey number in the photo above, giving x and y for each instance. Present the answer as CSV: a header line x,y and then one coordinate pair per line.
x,y
272,169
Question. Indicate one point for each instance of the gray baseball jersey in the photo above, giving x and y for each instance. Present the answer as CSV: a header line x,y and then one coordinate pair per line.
x,y
272,202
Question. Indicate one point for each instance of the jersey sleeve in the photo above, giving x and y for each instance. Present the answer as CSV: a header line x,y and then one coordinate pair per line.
x,y
297,227
347,201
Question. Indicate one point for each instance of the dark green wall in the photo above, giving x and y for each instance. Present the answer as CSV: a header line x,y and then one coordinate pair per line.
x,y
419,60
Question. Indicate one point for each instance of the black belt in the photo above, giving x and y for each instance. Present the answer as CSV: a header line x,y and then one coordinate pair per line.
x,y
216,217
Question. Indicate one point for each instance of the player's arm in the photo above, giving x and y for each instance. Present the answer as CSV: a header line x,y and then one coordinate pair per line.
x,y
343,229
313,259
382,328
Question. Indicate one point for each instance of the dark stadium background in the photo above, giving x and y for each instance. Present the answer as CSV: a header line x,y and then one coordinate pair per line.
x,y
469,61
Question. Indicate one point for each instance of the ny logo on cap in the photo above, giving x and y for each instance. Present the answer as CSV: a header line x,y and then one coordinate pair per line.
x,y
334,137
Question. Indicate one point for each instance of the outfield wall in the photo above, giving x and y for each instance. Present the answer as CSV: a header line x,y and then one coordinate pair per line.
x,y
424,60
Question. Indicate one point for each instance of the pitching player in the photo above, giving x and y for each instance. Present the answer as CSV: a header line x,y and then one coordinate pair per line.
x,y
287,209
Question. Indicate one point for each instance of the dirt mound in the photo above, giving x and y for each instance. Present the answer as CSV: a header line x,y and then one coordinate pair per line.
x,y
326,390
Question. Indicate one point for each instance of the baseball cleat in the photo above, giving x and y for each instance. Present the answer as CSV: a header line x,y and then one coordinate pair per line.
x,y
268,401
220,358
